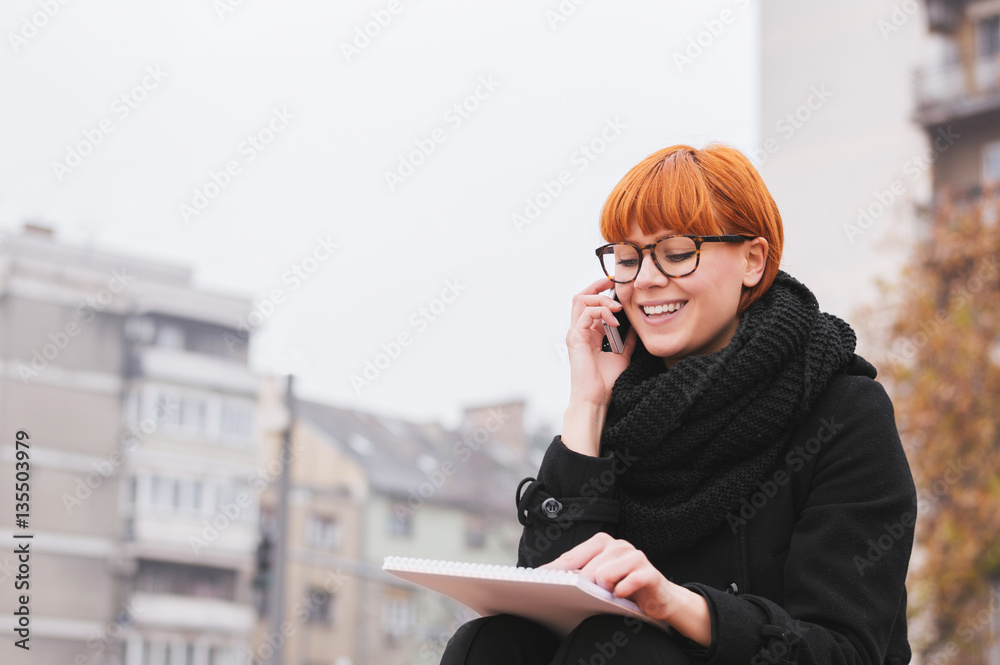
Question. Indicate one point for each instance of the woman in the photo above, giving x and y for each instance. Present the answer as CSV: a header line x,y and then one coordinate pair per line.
x,y
735,471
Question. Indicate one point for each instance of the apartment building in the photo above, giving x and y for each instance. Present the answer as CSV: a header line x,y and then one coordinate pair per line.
x,y
135,389
958,95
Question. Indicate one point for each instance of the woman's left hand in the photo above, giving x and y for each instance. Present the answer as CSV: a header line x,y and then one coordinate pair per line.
x,y
616,565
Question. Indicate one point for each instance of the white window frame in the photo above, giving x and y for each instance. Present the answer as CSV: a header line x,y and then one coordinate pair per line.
x,y
323,532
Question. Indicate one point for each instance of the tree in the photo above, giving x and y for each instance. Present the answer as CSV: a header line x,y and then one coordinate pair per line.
x,y
942,367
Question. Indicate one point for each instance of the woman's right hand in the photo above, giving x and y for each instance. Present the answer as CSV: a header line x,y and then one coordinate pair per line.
x,y
593,372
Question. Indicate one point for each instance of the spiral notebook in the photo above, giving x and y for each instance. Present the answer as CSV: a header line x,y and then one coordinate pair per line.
x,y
559,599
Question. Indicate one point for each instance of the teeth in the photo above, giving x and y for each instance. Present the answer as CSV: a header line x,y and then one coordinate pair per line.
x,y
661,309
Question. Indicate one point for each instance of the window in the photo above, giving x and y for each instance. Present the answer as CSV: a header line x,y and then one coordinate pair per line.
x,y
991,162
170,336
196,492
186,580
166,650
156,491
319,604
221,656
322,533
988,36
194,413
236,419
168,410
475,532
397,614
401,522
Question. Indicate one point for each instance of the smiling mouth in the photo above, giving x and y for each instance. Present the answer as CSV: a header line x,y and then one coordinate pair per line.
x,y
663,310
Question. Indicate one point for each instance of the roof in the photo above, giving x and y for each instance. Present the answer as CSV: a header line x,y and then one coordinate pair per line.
x,y
424,462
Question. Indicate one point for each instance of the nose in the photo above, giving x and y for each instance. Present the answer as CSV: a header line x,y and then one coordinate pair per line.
x,y
649,273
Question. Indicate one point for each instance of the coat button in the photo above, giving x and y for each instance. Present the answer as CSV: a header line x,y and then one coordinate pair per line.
x,y
732,588
551,508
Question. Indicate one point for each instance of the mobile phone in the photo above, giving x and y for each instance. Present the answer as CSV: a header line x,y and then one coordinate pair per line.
x,y
614,340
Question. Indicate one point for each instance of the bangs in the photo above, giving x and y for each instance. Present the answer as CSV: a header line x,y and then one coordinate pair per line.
x,y
665,193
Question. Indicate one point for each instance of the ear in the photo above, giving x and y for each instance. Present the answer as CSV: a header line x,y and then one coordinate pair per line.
x,y
754,261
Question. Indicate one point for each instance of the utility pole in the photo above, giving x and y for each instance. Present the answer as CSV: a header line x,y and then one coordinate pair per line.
x,y
276,604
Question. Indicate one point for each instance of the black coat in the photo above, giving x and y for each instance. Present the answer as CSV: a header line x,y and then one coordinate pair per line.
x,y
810,568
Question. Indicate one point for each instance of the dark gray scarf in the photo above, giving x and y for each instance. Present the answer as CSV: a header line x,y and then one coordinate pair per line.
x,y
708,429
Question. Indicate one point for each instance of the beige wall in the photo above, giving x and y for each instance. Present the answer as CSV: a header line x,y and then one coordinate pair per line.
x,y
328,483
829,160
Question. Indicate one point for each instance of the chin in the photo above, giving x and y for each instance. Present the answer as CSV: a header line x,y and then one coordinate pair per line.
x,y
667,352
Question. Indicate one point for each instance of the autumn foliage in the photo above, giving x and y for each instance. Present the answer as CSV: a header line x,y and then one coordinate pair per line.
x,y
941,364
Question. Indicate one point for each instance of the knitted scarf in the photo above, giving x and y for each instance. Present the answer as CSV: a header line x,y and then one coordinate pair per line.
x,y
708,429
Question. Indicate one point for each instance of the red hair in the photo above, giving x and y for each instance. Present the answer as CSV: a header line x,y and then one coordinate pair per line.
x,y
715,191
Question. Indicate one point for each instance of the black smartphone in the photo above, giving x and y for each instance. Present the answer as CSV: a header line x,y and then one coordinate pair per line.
x,y
614,340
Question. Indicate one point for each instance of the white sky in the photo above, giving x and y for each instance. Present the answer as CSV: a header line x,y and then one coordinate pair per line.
x,y
223,79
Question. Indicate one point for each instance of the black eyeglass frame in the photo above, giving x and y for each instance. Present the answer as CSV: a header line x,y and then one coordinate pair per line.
x,y
698,240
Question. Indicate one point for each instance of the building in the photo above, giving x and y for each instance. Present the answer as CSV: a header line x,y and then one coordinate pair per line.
x,y
958,94
135,390
364,487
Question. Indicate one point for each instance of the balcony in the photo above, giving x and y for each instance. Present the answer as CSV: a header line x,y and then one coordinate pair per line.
x,y
213,539
957,90
204,615
195,369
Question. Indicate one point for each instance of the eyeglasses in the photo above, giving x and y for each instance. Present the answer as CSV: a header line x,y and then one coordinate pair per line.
x,y
675,256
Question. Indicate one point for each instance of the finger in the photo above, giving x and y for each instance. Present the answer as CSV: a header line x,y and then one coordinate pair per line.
x,y
603,284
643,578
584,300
595,314
613,564
580,555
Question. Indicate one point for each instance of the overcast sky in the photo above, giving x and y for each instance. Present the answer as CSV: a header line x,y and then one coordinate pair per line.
x,y
415,179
